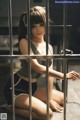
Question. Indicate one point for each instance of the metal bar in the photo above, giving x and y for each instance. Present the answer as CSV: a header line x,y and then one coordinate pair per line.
x,y
67,84
29,60
64,60
47,88
10,27
60,26
11,53
13,94
47,62
55,56
28,27
57,26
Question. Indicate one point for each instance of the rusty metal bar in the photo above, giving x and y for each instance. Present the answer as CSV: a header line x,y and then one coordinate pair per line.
x,y
64,60
11,53
29,59
55,56
47,62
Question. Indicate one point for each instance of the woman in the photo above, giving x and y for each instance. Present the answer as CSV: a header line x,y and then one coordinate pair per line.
x,y
38,71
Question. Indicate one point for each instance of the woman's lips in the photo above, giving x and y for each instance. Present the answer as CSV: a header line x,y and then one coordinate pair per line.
x,y
39,34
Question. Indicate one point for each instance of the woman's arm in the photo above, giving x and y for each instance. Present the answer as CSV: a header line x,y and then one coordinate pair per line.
x,y
41,68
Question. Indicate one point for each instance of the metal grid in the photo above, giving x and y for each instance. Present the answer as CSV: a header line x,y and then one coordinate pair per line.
x,y
64,57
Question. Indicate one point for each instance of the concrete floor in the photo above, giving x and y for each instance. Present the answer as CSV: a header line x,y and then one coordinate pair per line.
x,y
73,96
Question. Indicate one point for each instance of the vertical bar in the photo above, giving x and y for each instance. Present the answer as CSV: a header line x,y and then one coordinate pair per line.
x,y
47,63
12,83
29,60
64,60
10,27
11,53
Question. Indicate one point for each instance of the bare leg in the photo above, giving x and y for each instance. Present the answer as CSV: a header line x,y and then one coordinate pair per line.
x,y
54,102
25,113
22,112
58,96
57,100
38,107
55,97
41,91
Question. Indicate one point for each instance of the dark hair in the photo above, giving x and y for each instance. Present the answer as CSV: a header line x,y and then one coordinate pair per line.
x,y
37,15
22,31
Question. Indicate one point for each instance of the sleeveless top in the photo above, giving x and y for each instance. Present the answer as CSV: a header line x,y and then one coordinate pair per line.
x,y
24,71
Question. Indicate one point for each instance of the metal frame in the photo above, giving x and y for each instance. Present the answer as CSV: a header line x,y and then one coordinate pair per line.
x,y
11,54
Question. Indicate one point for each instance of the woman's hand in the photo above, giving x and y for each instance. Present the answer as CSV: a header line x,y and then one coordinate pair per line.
x,y
55,106
73,75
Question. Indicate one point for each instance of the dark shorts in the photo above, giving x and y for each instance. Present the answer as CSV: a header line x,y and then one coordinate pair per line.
x,y
20,86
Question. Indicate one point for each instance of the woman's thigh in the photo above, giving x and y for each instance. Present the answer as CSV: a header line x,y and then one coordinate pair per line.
x,y
58,96
38,107
41,93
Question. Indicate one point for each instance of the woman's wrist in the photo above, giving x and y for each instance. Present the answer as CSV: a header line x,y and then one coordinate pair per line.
x,y
65,76
62,76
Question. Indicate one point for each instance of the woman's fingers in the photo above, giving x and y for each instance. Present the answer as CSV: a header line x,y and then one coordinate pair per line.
x,y
55,106
59,108
73,75
76,74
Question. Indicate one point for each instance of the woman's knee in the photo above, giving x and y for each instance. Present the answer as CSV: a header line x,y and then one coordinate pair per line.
x,y
44,117
58,96
62,98
22,101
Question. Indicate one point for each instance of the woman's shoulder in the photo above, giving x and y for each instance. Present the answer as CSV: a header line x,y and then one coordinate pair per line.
x,y
23,41
23,45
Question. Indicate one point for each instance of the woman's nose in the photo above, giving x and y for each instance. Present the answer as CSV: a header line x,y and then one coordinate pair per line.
x,y
38,29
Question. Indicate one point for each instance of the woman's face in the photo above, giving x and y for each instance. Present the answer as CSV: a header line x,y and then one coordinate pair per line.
x,y
38,30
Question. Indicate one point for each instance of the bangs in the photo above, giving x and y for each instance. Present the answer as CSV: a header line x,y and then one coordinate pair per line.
x,y
36,19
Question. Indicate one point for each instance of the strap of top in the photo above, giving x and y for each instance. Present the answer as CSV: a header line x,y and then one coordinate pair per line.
x,y
35,51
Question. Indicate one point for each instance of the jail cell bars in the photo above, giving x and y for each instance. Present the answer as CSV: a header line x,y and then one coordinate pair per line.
x,y
63,57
